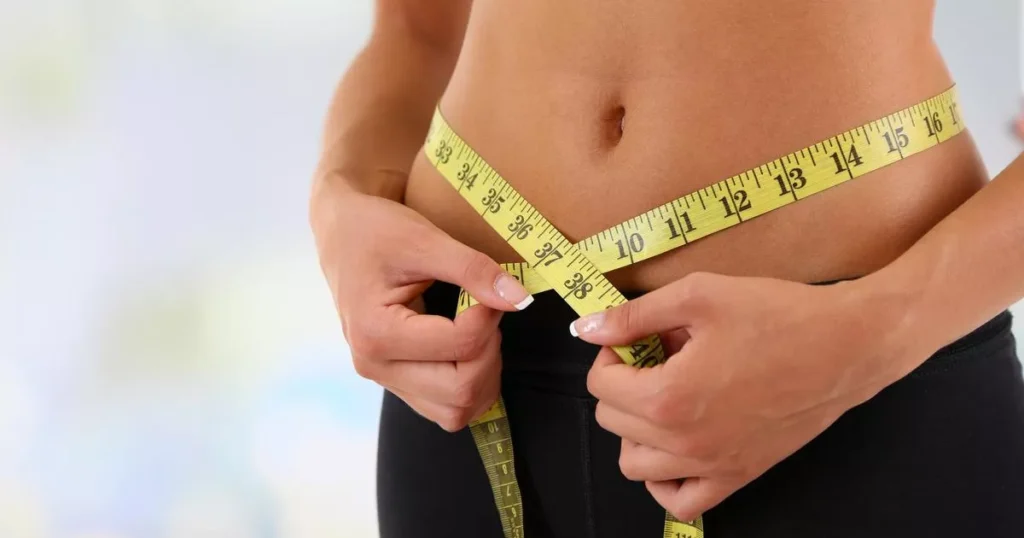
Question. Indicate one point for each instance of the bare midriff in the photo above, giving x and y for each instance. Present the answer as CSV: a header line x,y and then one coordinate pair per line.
x,y
598,110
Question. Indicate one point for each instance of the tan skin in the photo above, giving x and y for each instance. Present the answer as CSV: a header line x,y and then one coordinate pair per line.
x,y
702,90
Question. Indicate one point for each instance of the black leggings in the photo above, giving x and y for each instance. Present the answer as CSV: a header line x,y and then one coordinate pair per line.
x,y
938,453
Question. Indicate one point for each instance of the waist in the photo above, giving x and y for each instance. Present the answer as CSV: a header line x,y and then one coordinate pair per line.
x,y
635,104
538,351
853,229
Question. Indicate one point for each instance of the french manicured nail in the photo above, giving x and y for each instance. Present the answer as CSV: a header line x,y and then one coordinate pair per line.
x,y
512,291
586,324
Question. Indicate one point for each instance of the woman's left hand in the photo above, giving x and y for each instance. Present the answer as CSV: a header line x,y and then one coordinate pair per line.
x,y
758,367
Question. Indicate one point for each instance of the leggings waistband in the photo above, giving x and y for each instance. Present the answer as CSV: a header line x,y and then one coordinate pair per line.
x,y
536,343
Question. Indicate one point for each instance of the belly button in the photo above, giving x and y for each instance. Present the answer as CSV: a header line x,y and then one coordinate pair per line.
x,y
615,124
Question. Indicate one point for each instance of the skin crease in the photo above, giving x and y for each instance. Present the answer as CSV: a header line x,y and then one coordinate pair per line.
x,y
762,362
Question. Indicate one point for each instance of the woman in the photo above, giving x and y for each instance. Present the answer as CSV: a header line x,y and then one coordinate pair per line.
x,y
889,403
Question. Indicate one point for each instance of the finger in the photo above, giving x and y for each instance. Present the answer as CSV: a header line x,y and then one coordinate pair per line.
x,y
486,402
632,390
642,463
662,310
485,372
673,341
465,385
690,498
449,418
426,338
397,333
431,381
451,261
632,427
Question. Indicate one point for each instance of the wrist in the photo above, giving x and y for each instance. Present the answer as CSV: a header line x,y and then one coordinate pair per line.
x,y
388,184
887,310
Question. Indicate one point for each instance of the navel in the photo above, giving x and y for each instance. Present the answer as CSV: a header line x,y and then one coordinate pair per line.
x,y
613,123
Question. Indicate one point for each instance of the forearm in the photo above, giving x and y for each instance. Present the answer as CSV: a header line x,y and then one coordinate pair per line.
x,y
382,108
964,271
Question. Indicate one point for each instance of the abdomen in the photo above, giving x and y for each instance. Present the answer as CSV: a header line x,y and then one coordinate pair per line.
x,y
701,91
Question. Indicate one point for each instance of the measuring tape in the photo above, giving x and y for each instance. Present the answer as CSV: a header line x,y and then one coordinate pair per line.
x,y
576,271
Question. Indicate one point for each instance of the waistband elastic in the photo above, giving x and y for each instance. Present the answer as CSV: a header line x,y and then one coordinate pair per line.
x,y
536,342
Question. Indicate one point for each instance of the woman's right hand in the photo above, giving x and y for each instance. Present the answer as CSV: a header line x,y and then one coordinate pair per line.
x,y
378,257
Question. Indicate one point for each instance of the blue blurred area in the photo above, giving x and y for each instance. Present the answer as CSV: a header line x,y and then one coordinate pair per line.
x,y
171,365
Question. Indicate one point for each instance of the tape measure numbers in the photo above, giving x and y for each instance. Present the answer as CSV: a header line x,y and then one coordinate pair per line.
x,y
555,260
576,271
762,189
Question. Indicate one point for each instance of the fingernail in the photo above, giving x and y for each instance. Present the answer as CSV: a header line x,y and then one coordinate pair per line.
x,y
586,324
512,291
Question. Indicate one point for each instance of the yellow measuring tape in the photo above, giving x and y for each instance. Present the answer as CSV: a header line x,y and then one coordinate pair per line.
x,y
576,271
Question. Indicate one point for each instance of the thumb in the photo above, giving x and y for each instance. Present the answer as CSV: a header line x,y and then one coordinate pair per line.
x,y
687,501
660,311
451,261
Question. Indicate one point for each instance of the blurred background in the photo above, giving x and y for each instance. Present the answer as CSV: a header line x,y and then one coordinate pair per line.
x,y
170,362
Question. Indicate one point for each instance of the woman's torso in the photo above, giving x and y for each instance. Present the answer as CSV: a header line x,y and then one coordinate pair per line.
x,y
704,90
